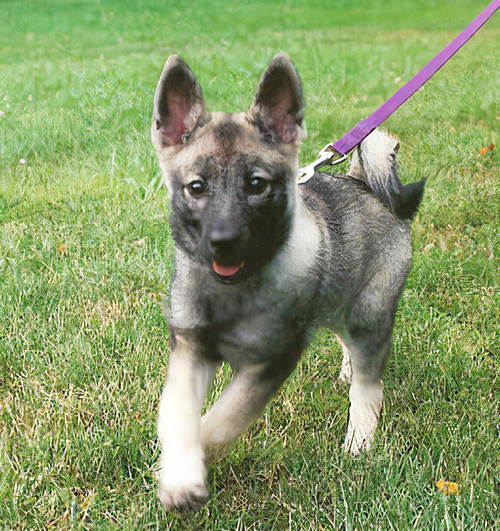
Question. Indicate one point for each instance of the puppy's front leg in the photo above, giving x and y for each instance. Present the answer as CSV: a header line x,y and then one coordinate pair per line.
x,y
241,403
182,476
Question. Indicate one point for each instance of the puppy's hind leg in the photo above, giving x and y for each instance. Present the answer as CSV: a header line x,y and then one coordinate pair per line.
x,y
241,403
182,474
365,393
345,375
368,340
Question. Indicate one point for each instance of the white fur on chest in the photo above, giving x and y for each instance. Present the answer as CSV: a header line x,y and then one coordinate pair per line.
x,y
300,252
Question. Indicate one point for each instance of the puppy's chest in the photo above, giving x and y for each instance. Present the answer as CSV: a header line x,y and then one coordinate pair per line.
x,y
244,327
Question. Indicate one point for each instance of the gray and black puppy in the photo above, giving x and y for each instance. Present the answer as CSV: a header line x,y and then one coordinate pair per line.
x,y
262,263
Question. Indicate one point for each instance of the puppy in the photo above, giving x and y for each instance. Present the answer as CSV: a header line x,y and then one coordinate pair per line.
x,y
262,263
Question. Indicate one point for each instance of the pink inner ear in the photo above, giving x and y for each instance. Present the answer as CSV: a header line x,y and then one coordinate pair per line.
x,y
179,120
282,122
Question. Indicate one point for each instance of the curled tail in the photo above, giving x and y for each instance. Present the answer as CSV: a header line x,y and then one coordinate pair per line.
x,y
374,162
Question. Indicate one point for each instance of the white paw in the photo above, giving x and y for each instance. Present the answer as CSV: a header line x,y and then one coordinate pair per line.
x,y
181,482
358,439
364,414
178,497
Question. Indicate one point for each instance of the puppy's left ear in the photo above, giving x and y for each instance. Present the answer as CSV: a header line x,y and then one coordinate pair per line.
x,y
279,107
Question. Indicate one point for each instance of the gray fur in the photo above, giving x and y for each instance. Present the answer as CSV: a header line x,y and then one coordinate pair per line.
x,y
262,264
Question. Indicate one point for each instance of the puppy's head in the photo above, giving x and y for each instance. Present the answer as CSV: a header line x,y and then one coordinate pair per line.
x,y
231,177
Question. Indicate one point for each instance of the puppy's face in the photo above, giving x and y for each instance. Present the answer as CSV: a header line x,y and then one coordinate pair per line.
x,y
231,177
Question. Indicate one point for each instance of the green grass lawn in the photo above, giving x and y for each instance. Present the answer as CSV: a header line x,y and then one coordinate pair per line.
x,y
85,249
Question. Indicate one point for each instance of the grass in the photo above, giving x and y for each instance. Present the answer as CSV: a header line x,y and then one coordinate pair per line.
x,y
85,249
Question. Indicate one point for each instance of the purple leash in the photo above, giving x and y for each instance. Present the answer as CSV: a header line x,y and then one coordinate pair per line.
x,y
342,147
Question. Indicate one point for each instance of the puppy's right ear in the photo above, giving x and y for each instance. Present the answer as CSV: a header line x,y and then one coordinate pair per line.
x,y
178,105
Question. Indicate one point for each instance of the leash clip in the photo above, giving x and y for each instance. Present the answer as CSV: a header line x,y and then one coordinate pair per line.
x,y
325,158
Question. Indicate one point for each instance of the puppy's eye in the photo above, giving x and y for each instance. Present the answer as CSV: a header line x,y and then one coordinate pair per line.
x,y
196,188
256,185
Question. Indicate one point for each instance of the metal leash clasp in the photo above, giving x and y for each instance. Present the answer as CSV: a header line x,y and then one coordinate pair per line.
x,y
326,157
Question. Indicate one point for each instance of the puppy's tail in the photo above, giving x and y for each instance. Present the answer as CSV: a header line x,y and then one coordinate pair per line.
x,y
374,162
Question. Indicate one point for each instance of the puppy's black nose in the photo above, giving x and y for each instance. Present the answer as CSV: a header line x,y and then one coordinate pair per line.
x,y
224,237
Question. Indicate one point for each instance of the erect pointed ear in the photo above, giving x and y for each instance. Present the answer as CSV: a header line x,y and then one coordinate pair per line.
x,y
279,106
178,106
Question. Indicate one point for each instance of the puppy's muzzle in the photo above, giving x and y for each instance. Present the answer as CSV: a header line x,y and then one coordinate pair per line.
x,y
225,242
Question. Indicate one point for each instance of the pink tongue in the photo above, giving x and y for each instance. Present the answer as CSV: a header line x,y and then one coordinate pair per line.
x,y
226,271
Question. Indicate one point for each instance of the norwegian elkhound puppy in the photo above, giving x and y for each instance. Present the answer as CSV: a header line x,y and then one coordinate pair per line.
x,y
262,263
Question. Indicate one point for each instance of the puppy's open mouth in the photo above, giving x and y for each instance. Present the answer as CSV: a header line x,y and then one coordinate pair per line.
x,y
227,272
